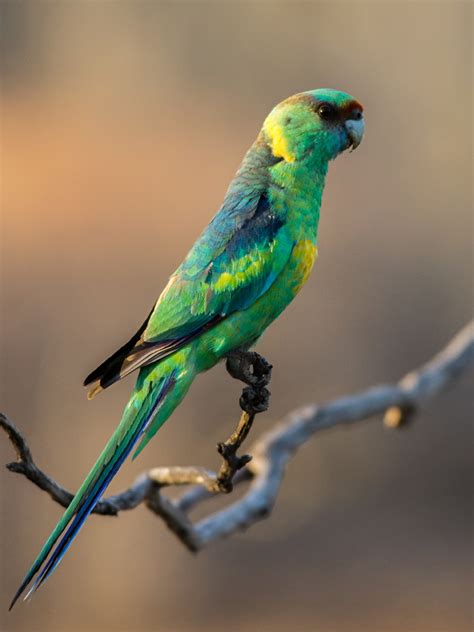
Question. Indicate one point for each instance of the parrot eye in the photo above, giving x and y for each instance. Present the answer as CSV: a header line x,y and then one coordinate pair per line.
x,y
327,112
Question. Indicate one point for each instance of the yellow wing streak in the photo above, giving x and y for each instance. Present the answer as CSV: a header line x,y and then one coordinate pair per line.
x,y
243,270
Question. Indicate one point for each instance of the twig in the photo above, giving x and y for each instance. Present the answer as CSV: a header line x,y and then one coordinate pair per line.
x,y
271,453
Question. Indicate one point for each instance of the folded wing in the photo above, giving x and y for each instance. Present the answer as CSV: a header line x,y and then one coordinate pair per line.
x,y
234,262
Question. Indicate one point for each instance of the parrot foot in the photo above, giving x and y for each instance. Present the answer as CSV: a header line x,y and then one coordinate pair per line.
x,y
249,367
253,370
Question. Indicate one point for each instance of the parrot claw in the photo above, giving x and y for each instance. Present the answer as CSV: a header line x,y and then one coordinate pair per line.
x,y
254,400
249,367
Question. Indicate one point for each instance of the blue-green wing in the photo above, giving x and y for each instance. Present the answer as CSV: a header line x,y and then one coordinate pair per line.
x,y
235,260
215,281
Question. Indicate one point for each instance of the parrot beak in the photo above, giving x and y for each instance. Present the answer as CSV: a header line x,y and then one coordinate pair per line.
x,y
355,130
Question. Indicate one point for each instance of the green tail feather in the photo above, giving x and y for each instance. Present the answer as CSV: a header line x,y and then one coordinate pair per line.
x,y
153,384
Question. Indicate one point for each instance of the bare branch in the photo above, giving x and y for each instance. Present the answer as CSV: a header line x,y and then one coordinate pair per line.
x,y
271,453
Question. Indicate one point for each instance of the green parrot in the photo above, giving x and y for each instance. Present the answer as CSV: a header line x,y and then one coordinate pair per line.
x,y
242,272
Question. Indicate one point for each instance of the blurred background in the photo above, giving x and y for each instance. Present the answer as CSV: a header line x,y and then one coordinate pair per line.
x,y
123,123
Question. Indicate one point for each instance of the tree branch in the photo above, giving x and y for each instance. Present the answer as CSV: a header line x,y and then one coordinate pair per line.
x,y
398,403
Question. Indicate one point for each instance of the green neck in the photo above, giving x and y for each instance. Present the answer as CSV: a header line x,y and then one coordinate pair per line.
x,y
298,192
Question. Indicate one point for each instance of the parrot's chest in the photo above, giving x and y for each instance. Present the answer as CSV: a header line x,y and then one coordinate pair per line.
x,y
303,229
244,327
299,205
301,209
290,281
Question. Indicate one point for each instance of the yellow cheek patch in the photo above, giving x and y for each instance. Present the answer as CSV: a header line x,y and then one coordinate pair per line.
x,y
305,253
278,142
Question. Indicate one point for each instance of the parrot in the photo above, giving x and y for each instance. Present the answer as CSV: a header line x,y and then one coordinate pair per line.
x,y
243,270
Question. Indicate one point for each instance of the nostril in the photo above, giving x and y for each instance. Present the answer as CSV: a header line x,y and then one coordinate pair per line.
x,y
356,115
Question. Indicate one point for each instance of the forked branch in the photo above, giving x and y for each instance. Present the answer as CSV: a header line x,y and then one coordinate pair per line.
x,y
398,403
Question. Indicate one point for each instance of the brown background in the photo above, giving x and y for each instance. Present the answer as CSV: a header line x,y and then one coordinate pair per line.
x,y
123,123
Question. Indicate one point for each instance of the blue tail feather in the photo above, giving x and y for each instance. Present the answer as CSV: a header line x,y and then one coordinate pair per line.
x,y
81,516
86,499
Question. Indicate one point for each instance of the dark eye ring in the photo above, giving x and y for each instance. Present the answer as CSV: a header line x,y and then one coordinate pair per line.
x,y
327,112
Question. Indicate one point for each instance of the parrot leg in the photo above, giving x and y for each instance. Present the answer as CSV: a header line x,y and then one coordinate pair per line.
x,y
252,369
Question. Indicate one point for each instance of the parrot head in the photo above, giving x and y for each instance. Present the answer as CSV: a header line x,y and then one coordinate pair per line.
x,y
321,122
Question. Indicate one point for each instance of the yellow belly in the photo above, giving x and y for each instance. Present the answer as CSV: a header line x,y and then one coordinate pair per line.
x,y
304,255
244,327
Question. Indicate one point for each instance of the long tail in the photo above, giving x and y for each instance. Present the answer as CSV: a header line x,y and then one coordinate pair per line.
x,y
153,384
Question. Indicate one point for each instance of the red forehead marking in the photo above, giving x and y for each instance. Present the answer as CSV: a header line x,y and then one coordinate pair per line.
x,y
352,105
